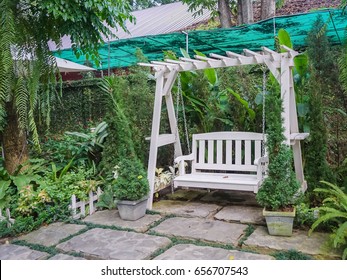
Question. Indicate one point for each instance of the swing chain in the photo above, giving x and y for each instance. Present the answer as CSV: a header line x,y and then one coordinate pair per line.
x,y
180,97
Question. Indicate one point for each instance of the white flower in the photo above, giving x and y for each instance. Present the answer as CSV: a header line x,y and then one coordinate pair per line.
x,y
115,172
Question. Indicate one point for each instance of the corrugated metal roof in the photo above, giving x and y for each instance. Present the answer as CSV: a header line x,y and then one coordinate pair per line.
x,y
153,21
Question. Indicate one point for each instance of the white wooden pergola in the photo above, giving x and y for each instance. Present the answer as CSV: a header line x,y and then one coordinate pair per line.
x,y
166,72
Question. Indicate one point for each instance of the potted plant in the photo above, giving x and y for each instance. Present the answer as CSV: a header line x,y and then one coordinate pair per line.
x,y
280,188
131,189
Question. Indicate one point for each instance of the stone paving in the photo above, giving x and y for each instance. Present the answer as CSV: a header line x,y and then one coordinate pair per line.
x,y
52,234
209,226
185,208
15,252
112,218
108,244
316,245
201,229
193,252
241,214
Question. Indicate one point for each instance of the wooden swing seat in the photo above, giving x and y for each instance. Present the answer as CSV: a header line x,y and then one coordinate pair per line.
x,y
224,160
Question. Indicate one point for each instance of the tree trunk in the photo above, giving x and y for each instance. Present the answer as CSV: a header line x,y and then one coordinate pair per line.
x,y
245,11
224,13
268,8
14,141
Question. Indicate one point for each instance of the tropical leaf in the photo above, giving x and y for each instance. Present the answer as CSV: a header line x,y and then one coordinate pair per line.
x,y
284,39
301,64
244,103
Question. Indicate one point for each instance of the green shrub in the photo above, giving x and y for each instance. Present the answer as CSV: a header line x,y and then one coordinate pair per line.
x,y
131,183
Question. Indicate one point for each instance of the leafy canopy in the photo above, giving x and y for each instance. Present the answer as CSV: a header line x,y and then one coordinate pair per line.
x,y
26,27
87,22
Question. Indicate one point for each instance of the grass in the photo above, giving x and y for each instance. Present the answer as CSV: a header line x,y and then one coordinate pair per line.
x,y
291,255
247,232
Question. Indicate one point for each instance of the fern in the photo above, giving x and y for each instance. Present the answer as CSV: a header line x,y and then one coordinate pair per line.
x,y
21,102
334,209
7,36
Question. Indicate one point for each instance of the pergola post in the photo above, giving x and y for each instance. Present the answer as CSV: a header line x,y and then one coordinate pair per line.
x,y
164,83
285,94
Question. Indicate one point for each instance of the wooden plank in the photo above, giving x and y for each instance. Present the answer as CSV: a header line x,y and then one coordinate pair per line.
x,y
219,151
210,151
286,71
83,208
201,151
226,167
248,152
257,149
232,135
238,153
73,206
91,203
229,152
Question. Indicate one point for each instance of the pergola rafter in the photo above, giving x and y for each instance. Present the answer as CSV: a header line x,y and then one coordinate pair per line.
x,y
166,72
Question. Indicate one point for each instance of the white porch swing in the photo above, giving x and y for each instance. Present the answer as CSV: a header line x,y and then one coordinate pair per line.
x,y
230,160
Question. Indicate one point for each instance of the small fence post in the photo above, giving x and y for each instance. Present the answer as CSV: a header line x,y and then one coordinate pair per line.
x,y
73,206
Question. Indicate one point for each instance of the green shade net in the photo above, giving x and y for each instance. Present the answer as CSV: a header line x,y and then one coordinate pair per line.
x,y
121,53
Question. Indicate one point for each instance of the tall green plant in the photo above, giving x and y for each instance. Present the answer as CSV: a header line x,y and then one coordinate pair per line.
x,y
280,186
321,84
120,129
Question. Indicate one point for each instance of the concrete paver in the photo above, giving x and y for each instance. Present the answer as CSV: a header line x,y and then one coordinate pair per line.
x,y
51,235
193,252
107,244
315,245
65,257
112,218
16,252
186,195
202,229
185,209
242,214
230,197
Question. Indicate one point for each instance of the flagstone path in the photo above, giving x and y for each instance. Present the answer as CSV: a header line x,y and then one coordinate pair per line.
x,y
198,226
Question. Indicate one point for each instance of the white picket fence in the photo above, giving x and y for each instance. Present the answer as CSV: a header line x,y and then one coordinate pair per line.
x,y
78,208
7,217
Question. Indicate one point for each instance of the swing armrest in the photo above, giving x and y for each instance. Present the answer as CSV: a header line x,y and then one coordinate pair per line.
x,y
259,162
180,161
